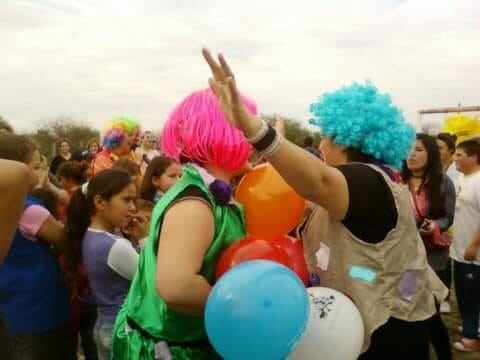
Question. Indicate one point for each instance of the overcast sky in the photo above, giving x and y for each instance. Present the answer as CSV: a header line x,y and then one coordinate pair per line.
x,y
93,59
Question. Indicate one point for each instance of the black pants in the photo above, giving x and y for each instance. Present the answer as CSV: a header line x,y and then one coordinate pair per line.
x,y
446,276
439,337
57,344
399,340
88,318
6,349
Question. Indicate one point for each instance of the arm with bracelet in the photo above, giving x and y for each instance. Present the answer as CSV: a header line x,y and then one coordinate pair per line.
x,y
309,176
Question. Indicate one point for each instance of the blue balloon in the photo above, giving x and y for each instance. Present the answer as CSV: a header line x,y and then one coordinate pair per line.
x,y
257,310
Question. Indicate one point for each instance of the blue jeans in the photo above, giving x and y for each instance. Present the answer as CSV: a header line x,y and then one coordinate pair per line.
x,y
103,334
467,288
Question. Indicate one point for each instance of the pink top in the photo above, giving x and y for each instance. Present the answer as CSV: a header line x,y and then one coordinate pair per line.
x,y
32,220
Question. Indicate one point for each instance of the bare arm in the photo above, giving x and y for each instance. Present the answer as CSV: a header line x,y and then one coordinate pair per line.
x,y
46,184
53,233
62,194
14,189
304,172
180,256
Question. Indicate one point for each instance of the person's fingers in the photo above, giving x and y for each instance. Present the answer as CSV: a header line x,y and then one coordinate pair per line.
x,y
232,86
225,67
217,71
215,87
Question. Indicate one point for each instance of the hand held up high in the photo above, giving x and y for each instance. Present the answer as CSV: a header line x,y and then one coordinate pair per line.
x,y
224,87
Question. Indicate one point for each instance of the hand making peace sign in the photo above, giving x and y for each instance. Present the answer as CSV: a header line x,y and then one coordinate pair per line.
x,y
224,87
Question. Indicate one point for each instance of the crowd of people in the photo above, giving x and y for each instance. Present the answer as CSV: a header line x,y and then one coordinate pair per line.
x,y
112,249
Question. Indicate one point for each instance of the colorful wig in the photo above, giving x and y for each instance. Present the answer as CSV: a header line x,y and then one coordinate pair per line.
x,y
359,117
462,126
197,131
117,130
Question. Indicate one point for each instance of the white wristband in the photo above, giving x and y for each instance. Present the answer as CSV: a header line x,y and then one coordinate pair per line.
x,y
259,135
273,147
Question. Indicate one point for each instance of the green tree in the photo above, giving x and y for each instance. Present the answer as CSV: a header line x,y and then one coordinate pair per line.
x,y
294,130
5,125
50,132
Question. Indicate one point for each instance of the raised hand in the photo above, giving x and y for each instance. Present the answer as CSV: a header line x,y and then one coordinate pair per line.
x,y
224,87
280,125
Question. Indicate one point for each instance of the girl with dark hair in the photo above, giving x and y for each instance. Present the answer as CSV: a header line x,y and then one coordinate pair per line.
x,y
97,210
33,293
432,197
71,175
161,174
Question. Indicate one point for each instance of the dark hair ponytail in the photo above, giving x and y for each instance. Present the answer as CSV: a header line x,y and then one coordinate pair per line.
x,y
107,184
73,170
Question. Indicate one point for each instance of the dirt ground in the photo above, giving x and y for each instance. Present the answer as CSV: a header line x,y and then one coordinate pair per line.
x,y
453,321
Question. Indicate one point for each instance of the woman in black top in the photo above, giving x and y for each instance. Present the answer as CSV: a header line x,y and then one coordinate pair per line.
x,y
371,131
63,155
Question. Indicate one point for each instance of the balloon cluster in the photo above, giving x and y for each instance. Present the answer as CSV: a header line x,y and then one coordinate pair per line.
x,y
272,210
259,307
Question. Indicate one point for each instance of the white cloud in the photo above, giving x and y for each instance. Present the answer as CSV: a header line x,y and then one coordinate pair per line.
x,y
95,59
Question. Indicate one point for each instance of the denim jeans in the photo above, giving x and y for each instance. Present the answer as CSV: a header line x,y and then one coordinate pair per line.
x,y
467,288
103,334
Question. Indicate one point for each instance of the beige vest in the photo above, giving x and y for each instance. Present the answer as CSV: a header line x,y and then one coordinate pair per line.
x,y
388,279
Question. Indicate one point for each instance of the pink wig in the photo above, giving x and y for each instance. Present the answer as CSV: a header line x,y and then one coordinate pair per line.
x,y
198,131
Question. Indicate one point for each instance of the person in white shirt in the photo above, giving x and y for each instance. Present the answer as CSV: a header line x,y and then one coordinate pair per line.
x,y
466,243
146,151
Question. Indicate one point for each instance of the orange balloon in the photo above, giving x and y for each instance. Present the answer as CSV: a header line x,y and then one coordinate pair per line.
x,y
272,207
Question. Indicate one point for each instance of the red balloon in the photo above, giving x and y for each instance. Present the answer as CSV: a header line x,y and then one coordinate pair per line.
x,y
250,248
294,248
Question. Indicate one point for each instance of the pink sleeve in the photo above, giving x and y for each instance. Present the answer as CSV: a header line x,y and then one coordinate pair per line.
x,y
32,220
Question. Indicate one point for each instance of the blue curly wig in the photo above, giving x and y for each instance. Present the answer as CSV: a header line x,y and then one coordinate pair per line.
x,y
359,117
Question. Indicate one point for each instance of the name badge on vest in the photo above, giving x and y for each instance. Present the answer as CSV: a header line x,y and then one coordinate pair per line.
x,y
362,273
408,285
323,257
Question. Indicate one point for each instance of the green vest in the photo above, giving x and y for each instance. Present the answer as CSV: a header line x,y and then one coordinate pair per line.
x,y
145,308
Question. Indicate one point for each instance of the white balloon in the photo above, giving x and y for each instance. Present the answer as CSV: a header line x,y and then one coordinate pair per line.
x,y
334,330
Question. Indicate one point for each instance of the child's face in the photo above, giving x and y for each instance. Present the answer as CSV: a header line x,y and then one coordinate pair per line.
x,y
147,214
119,208
35,169
172,174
